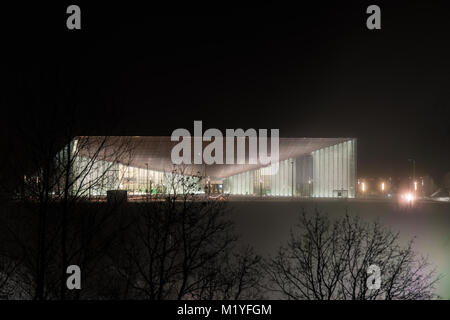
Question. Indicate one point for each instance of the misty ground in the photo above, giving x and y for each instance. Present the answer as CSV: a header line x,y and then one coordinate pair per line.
x,y
265,224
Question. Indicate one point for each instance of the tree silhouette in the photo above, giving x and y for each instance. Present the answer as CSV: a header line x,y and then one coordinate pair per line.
x,y
182,246
330,260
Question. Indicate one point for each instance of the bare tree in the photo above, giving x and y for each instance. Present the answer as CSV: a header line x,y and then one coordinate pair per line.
x,y
177,246
235,275
8,267
330,260
57,172
53,195
51,167
86,165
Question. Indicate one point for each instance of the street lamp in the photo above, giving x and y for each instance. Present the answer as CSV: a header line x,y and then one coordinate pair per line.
x,y
150,186
414,174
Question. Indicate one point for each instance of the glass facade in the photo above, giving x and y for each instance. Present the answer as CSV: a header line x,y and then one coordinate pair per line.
x,y
275,180
140,180
334,170
329,172
242,183
94,178
103,176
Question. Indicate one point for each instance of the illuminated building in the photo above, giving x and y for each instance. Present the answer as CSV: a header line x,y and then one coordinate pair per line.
x,y
307,167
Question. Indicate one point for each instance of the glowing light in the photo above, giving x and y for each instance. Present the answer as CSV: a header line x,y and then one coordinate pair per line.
x,y
415,185
408,197
363,187
382,186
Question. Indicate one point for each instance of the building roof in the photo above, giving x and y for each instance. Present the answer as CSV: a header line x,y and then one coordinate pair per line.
x,y
156,152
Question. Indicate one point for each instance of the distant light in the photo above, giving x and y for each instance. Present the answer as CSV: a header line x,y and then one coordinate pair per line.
x,y
363,187
415,185
408,197
382,186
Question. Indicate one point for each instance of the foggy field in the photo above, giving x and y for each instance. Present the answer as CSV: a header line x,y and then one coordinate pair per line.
x,y
266,224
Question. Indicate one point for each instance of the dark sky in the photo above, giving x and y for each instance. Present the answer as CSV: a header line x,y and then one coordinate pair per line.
x,y
310,71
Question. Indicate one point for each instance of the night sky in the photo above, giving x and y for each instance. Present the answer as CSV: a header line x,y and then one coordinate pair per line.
x,y
308,71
